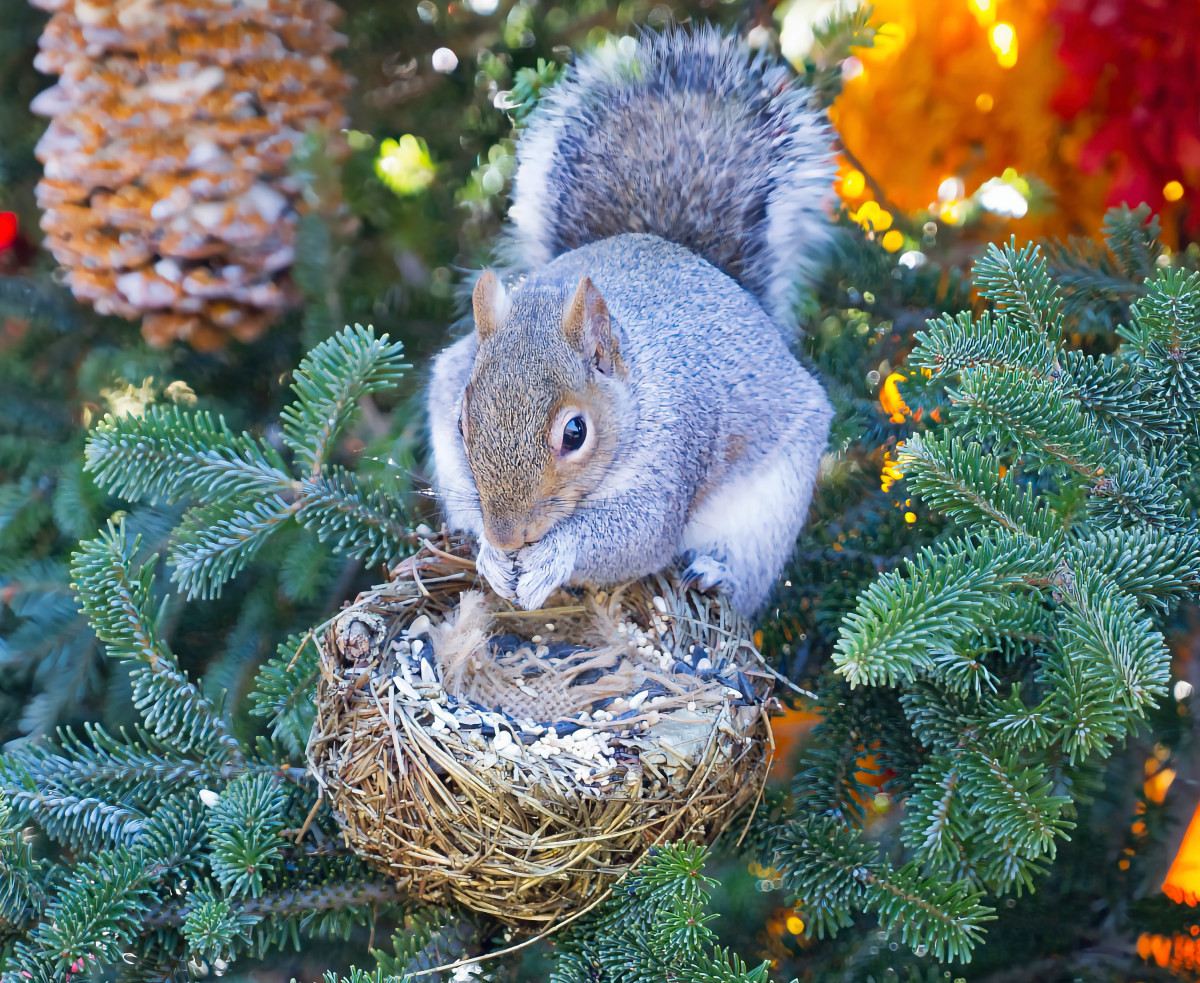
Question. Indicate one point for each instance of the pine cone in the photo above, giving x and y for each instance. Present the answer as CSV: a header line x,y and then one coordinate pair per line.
x,y
166,192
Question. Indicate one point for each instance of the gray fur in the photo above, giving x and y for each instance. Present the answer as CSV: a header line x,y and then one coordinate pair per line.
x,y
666,176
689,138
723,411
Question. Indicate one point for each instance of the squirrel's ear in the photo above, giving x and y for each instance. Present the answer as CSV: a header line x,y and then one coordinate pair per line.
x,y
489,302
587,328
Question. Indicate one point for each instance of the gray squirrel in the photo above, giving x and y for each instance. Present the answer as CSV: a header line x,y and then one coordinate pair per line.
x,y
631,396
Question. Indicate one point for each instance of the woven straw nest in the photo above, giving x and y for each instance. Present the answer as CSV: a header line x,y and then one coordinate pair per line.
x,y
517,762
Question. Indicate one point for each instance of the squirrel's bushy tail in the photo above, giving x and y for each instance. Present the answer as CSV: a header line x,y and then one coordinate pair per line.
x,y
686,136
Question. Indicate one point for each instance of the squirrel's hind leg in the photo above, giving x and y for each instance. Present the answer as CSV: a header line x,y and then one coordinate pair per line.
x,y
741,535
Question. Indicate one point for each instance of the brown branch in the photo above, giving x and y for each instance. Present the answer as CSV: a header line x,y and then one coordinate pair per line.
x,y
296,901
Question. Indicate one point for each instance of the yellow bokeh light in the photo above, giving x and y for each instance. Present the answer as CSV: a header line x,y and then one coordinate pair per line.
x,y
984,11
870,215
853,184
984,102
795,924
404,165
1003,38
889,40
910,517
1173,190
893,240
890,473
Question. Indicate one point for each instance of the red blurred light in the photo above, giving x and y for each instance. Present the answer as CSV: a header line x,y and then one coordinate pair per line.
x,y
8,229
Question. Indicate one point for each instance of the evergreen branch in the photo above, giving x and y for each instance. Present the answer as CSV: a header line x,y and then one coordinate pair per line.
x,y
936,824
1132,236
1114,395
79,821
1033,416
954,478
212,927
244,831
215,542
22,876
172,453
363,522
828,865
329,382
1102,628
1013,726
294,901
125,763
1016,281
902,622
1014,804
952,345
1137,491
283,690
944,916
432,938
1152,566
117,603
98,913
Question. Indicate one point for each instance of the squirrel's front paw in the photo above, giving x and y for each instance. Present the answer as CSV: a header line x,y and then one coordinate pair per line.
x,y
541,569
705,573
499,569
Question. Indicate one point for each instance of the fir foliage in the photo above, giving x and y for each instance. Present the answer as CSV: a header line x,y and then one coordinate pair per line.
x,y
1024,643
244,488
655,929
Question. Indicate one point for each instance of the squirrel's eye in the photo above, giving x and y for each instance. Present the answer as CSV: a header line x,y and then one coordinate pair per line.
x,y
574,434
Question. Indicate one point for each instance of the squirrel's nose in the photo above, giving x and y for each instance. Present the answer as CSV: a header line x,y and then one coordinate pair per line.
x,y
505,536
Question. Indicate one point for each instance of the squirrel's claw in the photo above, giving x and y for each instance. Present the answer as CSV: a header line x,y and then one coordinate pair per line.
x,y
499,569
541,569
705,573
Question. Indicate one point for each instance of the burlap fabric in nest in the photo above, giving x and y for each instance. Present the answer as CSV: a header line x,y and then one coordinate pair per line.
x,y
519,762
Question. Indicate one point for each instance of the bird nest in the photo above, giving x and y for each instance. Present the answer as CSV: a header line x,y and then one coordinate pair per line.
x,y
519,762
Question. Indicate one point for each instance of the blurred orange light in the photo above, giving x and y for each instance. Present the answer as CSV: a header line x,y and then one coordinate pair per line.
x,y
1157,784
1182,884
984,102
1173,191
